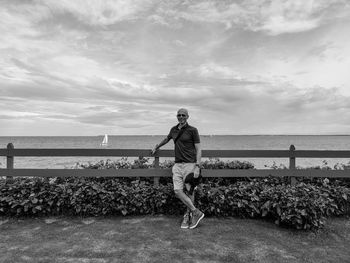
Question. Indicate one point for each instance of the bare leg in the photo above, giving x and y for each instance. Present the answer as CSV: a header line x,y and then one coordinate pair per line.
x,y
188,187
185,199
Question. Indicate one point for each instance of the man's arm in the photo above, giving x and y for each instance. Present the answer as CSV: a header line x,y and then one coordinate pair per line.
x,y
198,157
157,146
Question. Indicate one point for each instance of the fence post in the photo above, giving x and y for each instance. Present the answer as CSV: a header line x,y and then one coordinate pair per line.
x,y
156,166
9,161
292,164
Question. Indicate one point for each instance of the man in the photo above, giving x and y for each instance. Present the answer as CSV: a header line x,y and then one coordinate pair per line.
x,y
187,160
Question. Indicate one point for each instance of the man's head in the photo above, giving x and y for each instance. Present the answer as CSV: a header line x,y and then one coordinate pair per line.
x,y
182,116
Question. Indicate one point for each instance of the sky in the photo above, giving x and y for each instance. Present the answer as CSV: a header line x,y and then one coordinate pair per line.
x,y
124,67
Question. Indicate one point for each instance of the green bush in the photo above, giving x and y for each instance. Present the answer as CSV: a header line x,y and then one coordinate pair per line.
x,y
315,180
303,206
144,163
123,163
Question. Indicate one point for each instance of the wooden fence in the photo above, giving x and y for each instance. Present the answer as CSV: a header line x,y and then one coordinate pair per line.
x,y
10,152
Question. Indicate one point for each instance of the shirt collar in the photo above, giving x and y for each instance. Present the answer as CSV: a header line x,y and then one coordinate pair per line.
x,y
183,127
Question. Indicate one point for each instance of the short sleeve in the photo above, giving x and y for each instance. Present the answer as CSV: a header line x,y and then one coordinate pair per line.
x,y
196,138
169,137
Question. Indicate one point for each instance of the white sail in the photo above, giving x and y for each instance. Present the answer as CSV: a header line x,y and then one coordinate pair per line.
x,y
105,140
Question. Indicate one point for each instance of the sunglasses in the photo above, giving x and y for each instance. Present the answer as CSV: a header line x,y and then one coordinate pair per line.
x,y
181,115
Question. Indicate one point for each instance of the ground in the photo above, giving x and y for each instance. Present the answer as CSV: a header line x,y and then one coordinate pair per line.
x,y
160,239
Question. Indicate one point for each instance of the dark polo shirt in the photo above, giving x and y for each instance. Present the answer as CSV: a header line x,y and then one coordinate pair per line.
x,y
185,150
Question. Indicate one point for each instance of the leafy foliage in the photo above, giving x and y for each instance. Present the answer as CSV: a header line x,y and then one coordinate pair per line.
x,y
123,163
144,163
303,206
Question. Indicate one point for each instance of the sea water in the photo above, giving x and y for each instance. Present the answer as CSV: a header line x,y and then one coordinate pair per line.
x,y
208,142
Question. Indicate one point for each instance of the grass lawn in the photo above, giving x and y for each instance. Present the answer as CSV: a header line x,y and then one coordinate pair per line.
x,y
160,239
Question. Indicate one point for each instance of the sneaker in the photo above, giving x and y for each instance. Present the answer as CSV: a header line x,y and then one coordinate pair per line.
x,y
186,221
197,216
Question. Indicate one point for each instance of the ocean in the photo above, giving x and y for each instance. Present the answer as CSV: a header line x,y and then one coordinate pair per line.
x,y
208,142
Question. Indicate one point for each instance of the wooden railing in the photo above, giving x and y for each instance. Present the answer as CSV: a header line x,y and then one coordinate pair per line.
x,y
10,152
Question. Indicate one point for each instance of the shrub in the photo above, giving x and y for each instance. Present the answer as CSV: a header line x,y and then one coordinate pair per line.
x,y
303,206
123,163
144,163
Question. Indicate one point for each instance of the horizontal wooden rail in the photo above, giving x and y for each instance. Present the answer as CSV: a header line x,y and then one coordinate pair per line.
x,y
167,173
321,154
79,152
10,152
24,152
141,152
86,172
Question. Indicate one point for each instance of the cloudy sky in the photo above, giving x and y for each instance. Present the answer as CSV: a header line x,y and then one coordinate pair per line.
x,y
89,67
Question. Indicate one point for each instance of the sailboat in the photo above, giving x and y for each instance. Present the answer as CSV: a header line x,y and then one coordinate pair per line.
x,y
105,141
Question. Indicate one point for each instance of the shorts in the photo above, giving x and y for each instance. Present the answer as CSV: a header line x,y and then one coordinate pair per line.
x,y
180,171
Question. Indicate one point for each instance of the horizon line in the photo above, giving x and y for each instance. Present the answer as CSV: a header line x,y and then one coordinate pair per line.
x,y
98,135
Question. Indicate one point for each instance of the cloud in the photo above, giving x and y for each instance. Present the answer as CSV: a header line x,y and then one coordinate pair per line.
x,y
100,12
278,25
131,64
290,16
18,22
271,17
213,70
116,118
